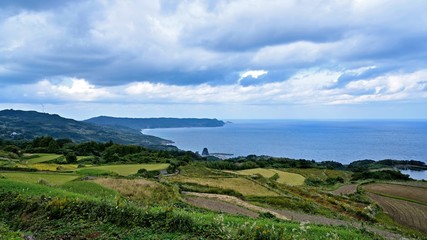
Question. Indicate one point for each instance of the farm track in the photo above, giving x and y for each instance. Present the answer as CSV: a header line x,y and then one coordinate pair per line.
x,y
346,189
221,203
220,206
410,214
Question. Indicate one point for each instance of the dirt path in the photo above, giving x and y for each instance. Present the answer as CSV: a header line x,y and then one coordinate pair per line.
x,y
220,206
346,189
222,203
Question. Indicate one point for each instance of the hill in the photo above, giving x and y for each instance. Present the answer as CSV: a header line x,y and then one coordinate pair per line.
x,y
149,123
26,125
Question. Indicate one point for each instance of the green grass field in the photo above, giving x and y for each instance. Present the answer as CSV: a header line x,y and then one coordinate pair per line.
x,y
89,188
292,179
51,178
126,169
41,157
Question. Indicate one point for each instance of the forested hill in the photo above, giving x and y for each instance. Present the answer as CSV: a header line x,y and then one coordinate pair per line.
x,y
26,125
149,123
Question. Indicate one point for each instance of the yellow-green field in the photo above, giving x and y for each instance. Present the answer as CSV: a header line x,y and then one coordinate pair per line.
x,y
41,157
241,185
51,166
79,158
129,169
292,179
51,178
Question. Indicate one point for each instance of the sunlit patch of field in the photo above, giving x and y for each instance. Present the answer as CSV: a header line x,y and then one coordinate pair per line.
x,y
241,185
41,157
292,179
129,169
321,174
49,178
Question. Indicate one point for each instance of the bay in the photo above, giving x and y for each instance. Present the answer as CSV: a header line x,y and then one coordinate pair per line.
x,y
417,175
342,141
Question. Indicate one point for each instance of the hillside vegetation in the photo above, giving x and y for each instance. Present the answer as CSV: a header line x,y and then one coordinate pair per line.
x,y
26,125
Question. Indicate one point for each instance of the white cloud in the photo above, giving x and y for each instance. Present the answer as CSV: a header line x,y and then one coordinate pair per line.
x,y
251,73
69,89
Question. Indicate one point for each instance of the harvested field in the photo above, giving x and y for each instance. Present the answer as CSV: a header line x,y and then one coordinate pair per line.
x,y
220,206
417,194
241,185
346,189
409,214
236,201
292,179
129,187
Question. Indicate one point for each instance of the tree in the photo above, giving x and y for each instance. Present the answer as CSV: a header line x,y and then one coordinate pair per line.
x,y
71,157
53,146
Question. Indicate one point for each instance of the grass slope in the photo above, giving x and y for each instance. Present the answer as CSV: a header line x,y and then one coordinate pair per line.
x,y
49,178
41,157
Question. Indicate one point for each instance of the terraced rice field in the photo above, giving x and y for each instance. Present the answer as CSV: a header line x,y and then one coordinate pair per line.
x,y
292,179
407,205
410,214
50,178
129,169
241,185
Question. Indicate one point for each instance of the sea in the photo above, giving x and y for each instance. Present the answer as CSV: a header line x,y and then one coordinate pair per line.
x,y
337,140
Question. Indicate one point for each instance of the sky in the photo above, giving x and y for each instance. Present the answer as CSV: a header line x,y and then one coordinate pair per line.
x,y
227,59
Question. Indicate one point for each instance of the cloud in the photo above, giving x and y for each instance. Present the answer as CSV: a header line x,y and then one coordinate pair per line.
x,y
251,73
311,87
213,52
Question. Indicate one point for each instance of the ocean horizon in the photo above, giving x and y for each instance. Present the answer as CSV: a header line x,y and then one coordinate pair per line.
x,y
321,140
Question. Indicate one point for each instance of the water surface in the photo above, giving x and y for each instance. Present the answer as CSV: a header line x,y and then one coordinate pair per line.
x,y
343,141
